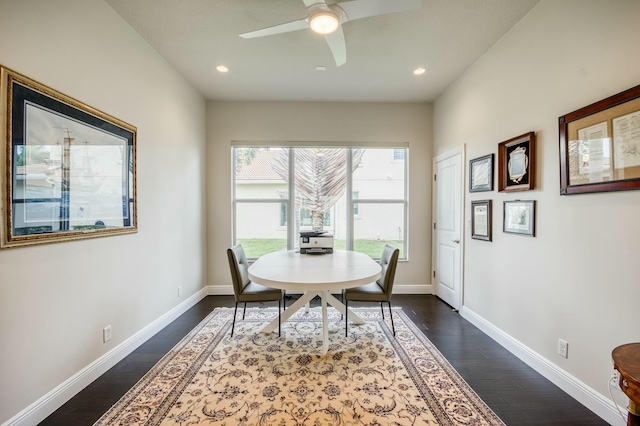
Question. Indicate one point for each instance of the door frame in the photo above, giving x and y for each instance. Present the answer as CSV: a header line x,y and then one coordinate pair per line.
x,y
460,150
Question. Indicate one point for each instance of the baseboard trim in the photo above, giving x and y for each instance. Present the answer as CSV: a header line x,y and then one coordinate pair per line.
x,y
43,407
587,396
227,290
413,289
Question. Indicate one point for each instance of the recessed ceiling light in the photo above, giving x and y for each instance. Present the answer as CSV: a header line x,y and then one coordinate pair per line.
x,y
324,22
419,71
321,68
222,68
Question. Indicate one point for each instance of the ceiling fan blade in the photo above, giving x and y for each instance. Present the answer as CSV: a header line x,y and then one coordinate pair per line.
x,y
357,9
278,29
312,2
336,43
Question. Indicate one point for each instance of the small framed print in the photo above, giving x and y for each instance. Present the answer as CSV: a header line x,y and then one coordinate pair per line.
x,y
481,220
481,174
516,163
520,217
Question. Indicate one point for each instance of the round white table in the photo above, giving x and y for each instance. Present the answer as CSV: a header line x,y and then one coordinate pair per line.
x,y
315,275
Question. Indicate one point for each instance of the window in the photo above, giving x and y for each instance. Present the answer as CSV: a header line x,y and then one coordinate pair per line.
x,y
323,188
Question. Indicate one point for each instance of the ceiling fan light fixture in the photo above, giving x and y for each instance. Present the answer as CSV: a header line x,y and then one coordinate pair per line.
x,y
324,22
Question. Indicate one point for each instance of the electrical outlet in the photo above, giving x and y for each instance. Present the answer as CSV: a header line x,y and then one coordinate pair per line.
x,y
180,291
615,376
563,348
106,334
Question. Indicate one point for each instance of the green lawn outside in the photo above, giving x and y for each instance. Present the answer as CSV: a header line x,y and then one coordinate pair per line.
x,y
257,247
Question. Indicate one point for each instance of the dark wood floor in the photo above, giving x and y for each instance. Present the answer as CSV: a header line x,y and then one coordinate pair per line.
x,y
515,392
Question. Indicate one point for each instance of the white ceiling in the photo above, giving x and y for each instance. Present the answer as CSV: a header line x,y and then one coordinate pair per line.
x,y
445,37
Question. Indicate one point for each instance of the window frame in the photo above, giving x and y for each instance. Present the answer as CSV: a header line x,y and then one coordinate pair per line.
x,y
350,201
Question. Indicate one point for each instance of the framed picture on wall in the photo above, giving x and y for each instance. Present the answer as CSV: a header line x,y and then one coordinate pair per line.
x,y
516,163
520,217
481,220
481,174
600,145
68,170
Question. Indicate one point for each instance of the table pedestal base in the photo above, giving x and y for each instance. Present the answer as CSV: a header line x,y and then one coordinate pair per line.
x,y
304,300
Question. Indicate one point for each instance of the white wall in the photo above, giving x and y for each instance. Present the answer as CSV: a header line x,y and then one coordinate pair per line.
x,y
55,299
319,122
578,278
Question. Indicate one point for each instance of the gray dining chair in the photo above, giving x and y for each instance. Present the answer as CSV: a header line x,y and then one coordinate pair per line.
x,y
246,291
378,291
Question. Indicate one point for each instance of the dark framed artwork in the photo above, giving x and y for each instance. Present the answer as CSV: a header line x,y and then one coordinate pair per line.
x,y
481,220
600,145
68,170
516,163
481,174
520,217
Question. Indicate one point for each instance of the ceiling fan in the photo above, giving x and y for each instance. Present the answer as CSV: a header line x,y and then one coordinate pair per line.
x,y
327,19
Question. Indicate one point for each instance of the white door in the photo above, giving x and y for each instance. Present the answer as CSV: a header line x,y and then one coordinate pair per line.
x,y
447,226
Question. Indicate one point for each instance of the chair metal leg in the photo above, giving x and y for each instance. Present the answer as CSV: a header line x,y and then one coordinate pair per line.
x,y
346,317
244,310
233,324
284,300
381,304
393,327
279,320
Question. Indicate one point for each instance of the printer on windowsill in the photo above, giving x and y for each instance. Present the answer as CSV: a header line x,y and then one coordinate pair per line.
x,y
313,242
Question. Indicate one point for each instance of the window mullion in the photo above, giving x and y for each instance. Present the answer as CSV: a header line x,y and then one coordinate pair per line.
x,y
291,222
233,196
349,195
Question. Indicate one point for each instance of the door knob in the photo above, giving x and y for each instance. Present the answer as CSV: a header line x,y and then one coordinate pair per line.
x,y
456,241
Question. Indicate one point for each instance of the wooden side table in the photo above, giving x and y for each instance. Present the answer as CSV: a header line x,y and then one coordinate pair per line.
x,y
626,359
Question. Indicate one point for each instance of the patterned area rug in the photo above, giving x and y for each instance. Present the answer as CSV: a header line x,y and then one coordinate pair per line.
x,y
255,379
